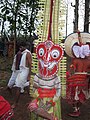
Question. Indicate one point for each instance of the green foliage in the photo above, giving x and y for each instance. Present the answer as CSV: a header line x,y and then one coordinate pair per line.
x,y
21,16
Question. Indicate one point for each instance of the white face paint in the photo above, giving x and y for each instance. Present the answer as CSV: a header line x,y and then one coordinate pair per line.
x,y
49,65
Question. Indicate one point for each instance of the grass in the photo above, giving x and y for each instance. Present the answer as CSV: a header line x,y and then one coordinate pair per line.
x,y
5,70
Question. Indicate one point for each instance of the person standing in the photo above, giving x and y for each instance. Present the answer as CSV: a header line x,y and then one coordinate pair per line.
x,y
24,74
15,70
77,84
47,83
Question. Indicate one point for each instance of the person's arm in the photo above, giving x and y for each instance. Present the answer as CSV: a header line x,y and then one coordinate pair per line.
x,y
28,77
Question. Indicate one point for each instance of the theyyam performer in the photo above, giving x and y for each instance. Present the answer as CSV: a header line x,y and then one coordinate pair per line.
x,y
77,46
47,82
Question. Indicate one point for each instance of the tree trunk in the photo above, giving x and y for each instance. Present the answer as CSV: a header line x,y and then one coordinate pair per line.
x,y
86,20
76,15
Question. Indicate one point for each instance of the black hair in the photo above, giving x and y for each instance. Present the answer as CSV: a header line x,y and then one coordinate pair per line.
x,y
23,43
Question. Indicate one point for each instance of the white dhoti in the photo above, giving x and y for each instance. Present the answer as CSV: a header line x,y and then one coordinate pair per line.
x,y
13,78
21,80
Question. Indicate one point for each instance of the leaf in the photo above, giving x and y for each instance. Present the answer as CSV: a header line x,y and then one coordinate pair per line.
x,y
3,9
7,11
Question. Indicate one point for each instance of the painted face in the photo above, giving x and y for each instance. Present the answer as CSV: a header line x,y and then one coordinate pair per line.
x,y
48,55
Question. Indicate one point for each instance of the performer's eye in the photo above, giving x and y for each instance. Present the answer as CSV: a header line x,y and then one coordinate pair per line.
x,y
41,51
55,53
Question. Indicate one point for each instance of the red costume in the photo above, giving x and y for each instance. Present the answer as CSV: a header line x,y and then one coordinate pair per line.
x,y
78,83
6,113
78,79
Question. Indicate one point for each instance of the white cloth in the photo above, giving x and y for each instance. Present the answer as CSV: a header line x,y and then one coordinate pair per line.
x,y
49,83
14,74
81,51
86,50
13,78
13,65
21,80
23,59
76,50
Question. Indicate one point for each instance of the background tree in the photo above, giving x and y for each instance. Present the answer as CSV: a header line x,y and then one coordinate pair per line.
x,y
87,16
75,15
21,16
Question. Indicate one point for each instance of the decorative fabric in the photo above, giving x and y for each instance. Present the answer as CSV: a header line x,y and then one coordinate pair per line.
x,y
81,51
6,113
76,85
48,83
48,86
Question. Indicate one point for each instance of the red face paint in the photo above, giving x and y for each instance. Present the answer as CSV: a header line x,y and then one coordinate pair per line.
x,y
48,54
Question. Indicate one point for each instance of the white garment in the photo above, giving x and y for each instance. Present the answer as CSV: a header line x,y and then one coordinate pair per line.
x,y
21,80
13,78
76,50
86,50
81,51
23,59
13,65
14,74
49,83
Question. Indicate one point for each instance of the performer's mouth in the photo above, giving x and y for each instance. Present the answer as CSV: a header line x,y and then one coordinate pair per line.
x,y
49,65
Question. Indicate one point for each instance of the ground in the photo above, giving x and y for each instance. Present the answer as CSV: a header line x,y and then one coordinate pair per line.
x,y
85,111
21,111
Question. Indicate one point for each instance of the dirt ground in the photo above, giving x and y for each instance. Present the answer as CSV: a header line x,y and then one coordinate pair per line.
x,y
85,111
21,112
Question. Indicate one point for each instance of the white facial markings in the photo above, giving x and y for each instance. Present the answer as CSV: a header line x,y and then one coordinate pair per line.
x,y
55,53
49,65
41,51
